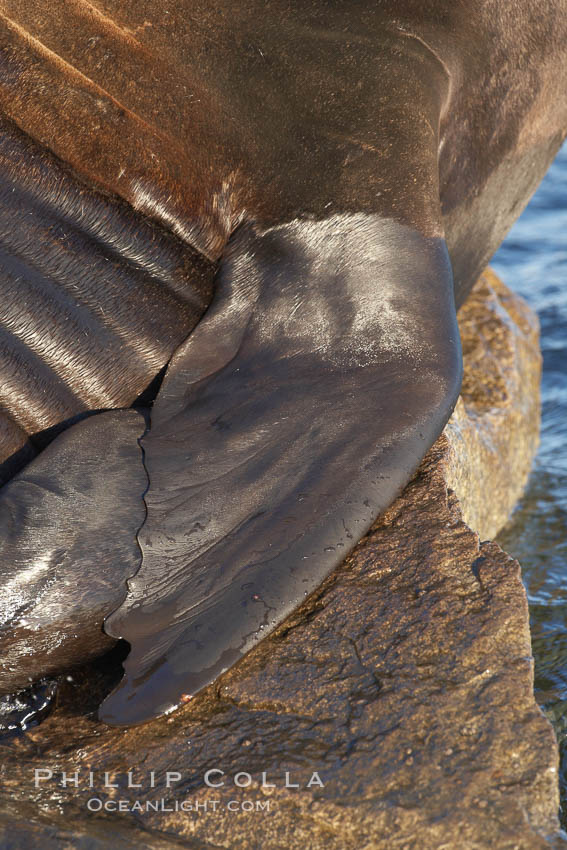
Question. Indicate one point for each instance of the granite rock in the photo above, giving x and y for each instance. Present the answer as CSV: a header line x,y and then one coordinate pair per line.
x,y
398,698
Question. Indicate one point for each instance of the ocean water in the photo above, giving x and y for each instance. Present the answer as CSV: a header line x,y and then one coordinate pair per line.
x,y
533,262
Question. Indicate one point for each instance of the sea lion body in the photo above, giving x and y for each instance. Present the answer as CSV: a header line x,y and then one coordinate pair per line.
x,y
351,171
94,300
201,117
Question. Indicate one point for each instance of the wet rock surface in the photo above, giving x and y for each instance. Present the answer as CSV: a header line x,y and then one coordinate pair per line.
x,y
399,698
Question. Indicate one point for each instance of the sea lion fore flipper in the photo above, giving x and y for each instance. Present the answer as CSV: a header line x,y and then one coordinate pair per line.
x,y
327,364
68,525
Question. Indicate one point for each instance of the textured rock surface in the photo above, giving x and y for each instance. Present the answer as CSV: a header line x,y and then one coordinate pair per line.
x,y
493,433
405,682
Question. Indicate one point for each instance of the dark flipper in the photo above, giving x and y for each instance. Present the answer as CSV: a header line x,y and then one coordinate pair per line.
x,y
68,525
295,412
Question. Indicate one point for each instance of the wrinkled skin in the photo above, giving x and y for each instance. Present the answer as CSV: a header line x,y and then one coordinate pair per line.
x,y
344,171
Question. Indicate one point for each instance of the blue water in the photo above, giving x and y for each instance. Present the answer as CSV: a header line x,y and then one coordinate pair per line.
x,y
533,262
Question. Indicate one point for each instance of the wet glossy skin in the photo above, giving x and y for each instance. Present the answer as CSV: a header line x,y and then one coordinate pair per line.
x,y
326,156
93,299
199,115
56,587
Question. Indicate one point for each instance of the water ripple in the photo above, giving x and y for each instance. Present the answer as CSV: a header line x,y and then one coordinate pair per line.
x,y
533,262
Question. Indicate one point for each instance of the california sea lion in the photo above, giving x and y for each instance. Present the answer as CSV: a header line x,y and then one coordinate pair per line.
x,y
350,168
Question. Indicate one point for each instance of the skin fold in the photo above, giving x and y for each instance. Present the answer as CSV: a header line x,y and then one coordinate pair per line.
x,y
344,172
